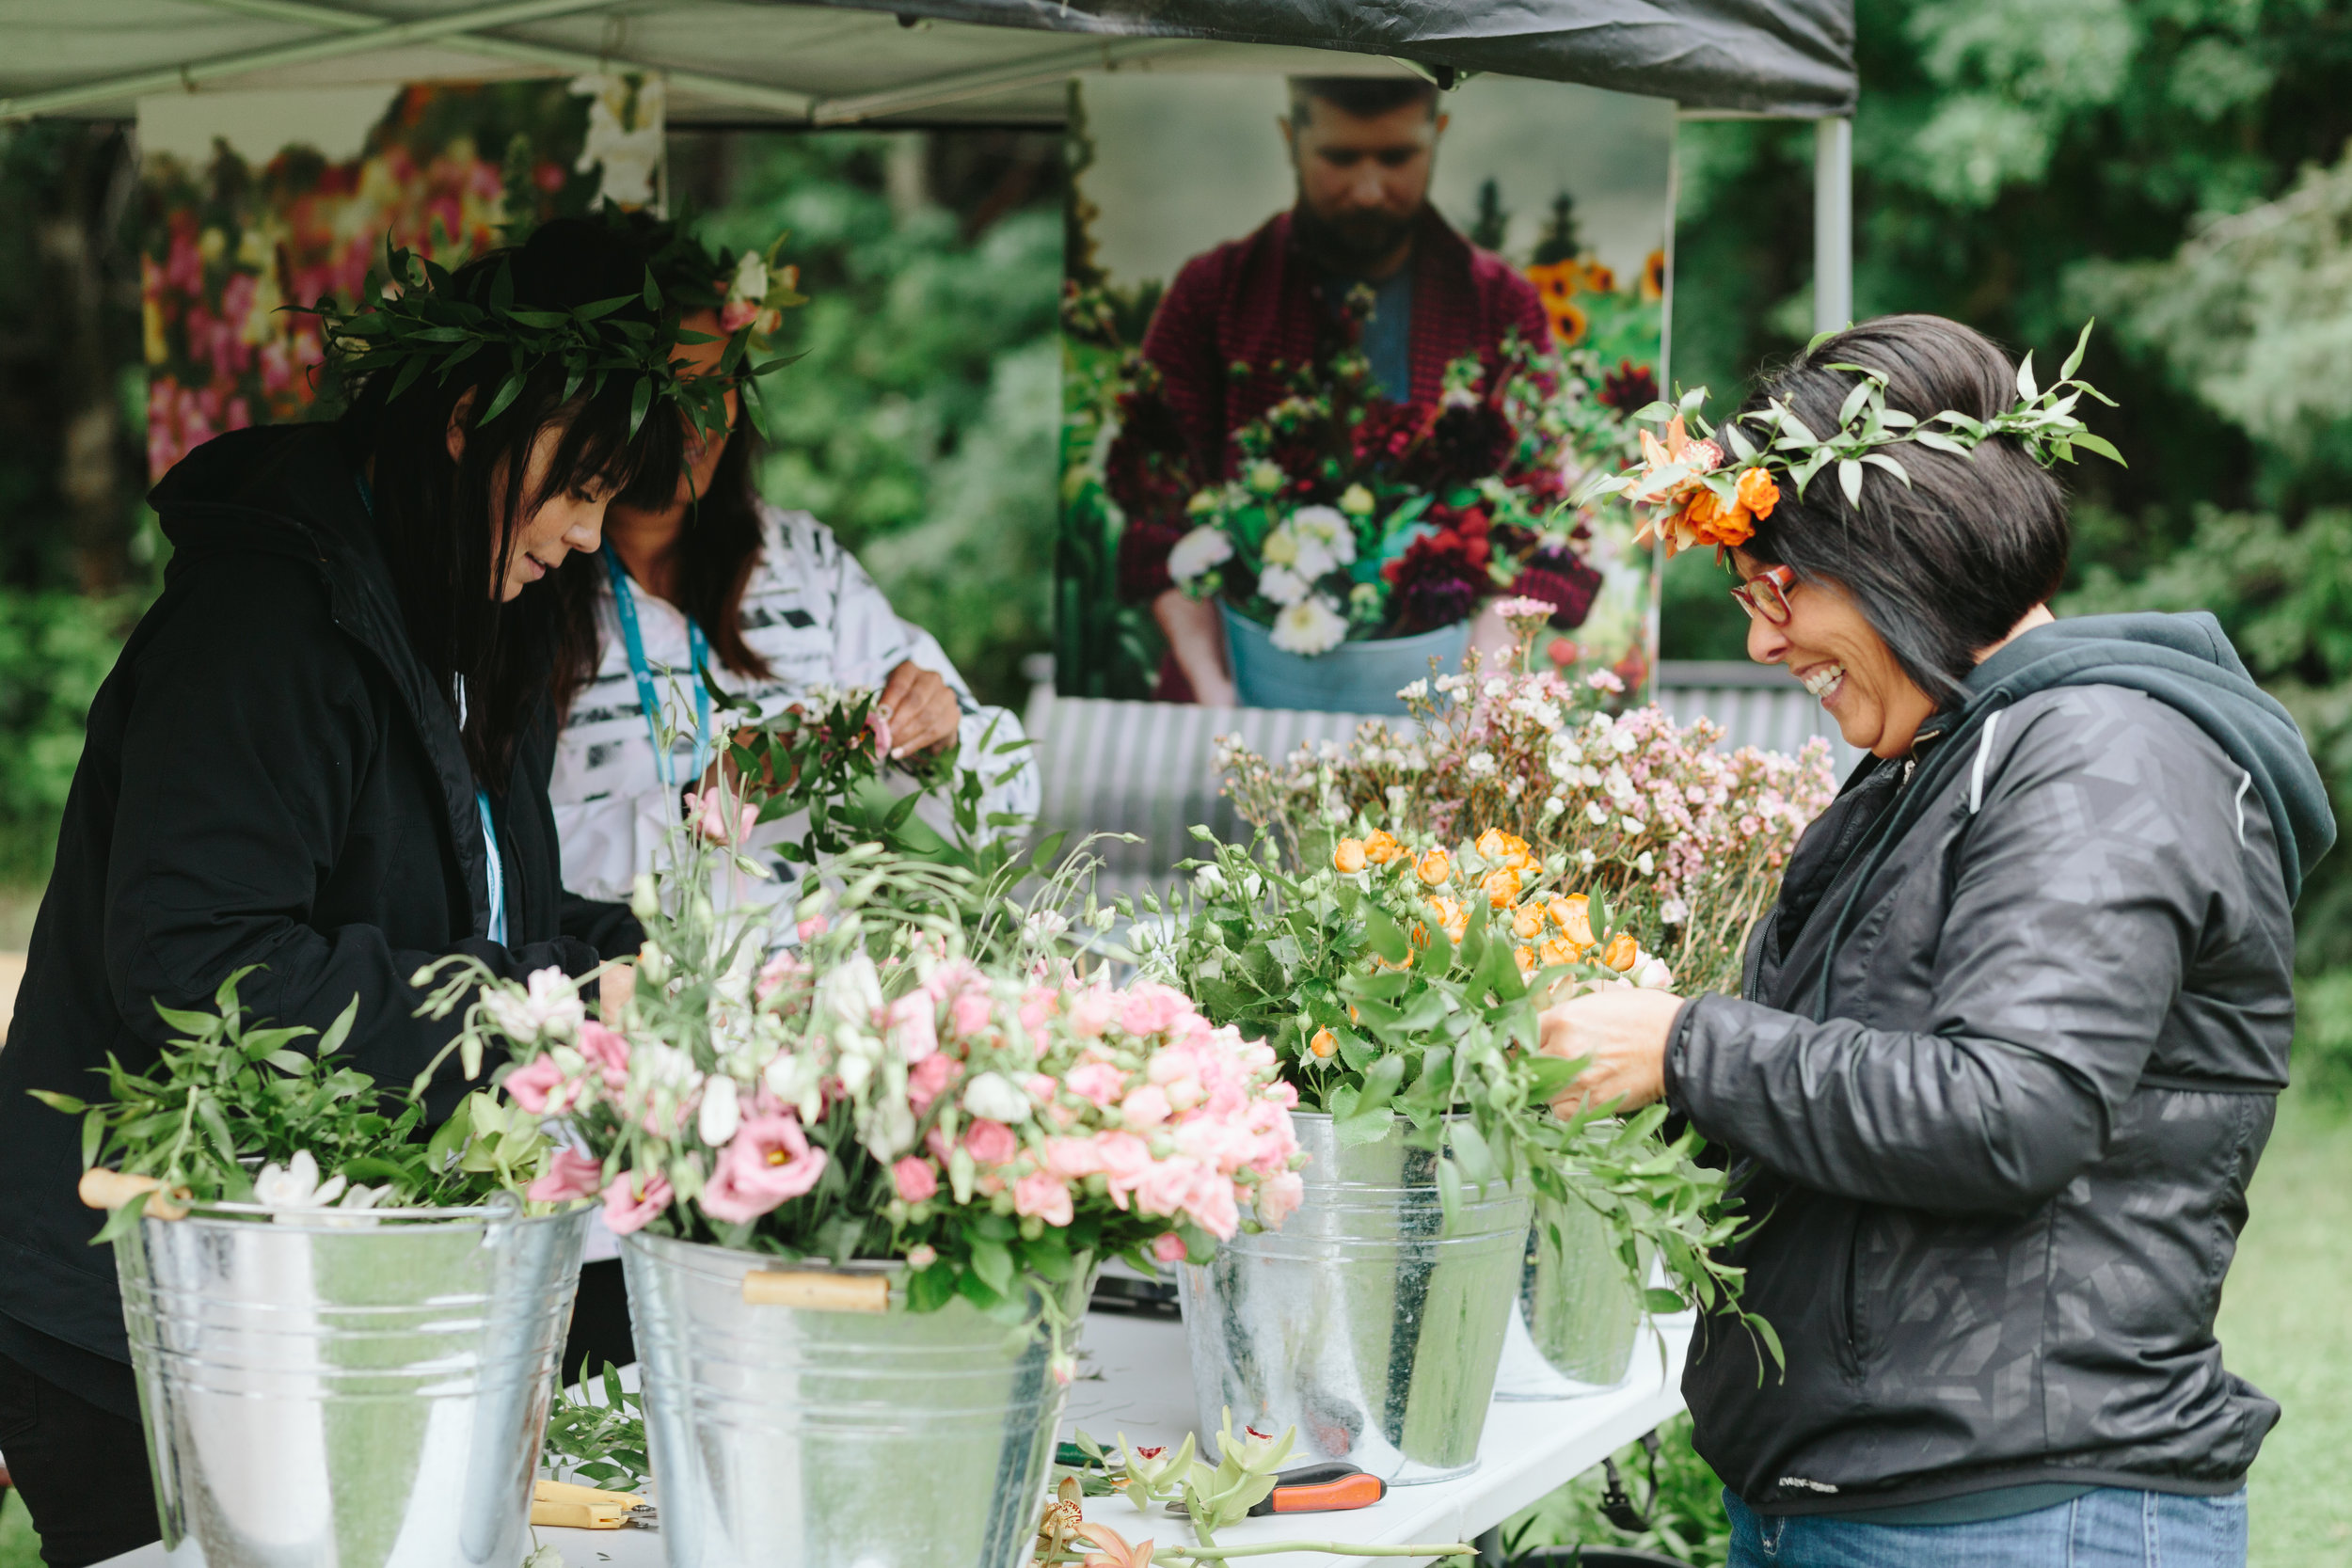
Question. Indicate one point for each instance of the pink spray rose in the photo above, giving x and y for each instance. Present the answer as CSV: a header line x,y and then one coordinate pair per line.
x,y
929,1079
1042,1194
1169,1247
970,1014
1151,1008
991,1143
1099,1082
915,1179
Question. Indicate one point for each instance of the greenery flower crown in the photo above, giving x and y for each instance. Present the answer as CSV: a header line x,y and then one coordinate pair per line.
x,y
1713,487
425,322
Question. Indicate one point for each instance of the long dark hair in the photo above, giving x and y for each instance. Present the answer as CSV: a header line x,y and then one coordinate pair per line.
x,y
447,526
1947,565
720,541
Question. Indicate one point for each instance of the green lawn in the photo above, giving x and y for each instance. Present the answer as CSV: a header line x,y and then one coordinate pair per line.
x,y
2287,1326
19,1546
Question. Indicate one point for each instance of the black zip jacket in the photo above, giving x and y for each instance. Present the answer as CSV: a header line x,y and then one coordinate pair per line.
x,y
2006,1056
270,778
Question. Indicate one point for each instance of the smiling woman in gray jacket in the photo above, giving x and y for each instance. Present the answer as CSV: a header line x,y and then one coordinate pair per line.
x,y
2008,1047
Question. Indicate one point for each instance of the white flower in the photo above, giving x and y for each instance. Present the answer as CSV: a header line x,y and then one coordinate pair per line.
x,y
1326,528
1357,501
548,1006
1197,551
1553,806
295,1184
1633,825
1586,860
1210,880
1397,795
354,1204
1674,911
1595,813
751,279
850,991
1645,863
1265,477
796,1079
1624,741
1566,754
1414,692
995,1096
1479,764
722,1111
1285,587
1310,626
1043,924
1651,974
1202,503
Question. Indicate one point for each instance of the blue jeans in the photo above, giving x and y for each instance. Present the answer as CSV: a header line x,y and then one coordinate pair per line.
x,y
2107,1529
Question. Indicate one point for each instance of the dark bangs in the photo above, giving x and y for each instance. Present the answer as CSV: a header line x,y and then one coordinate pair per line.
x,y
1945,566
448,527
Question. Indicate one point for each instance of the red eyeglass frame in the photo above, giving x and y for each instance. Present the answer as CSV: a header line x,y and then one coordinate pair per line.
x,y
1765,595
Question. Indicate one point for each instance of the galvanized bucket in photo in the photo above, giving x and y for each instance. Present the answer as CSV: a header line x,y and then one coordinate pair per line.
x,y
327,1391
830,1433
1367,1322
1574,1324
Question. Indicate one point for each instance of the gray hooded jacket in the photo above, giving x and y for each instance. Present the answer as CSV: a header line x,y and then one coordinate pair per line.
x,y
2004,1060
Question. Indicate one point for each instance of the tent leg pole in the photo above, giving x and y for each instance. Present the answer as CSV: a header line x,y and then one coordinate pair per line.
x,y
1833,224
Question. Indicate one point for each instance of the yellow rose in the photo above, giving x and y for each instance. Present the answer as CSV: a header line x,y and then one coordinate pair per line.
x,y
1382,848
1434,868
1573,915
1323,1044
1623,951
1501,888
1349,855
1526,957
1527,922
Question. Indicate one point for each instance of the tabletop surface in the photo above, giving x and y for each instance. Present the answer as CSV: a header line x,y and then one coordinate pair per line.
x,y
1136,1379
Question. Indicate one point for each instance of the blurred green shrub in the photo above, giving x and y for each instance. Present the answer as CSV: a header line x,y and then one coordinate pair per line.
x,y
55,649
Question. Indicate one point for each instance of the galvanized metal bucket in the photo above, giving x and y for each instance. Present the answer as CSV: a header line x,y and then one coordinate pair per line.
x,y
1367,1322
346,1391
1574,1324
850,1439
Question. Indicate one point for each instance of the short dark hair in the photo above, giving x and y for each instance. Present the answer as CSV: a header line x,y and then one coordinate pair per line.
x,y
1947,565
1361,96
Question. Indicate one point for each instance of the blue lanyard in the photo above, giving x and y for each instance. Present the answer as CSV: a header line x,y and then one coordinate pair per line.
x,y
664,763
480,796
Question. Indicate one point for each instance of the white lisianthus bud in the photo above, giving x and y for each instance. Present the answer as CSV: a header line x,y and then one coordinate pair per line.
x,y
1355,502
995,1096
721,1111
1196,552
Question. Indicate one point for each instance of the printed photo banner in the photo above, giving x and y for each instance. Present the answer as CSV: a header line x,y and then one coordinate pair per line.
x,y
262,200
1569,187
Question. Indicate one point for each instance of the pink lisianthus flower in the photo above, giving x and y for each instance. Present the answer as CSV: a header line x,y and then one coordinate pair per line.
x,y
608,1052
1042,1194
930,1078
1073,1159
707,813
569,1176
1169,1247
1099,1081
991,1143
629,1205
811,928
768,1161
915,1179
1039,1005
540,1087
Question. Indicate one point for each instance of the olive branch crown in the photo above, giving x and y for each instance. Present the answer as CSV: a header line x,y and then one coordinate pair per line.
x,y
1697,455
420,320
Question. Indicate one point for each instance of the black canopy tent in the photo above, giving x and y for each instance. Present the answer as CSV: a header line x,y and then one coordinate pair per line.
x,y
839,62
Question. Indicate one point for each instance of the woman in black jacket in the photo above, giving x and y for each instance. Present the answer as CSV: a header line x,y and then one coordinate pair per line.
x,y
2007,1047
324,751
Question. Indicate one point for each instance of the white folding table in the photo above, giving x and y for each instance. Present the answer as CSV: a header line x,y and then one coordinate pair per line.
x,y
1136,1379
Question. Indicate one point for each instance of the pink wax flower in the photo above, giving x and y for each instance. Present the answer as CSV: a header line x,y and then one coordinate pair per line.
x,y
1099,1081
768,1162
540,1087
930,1078
1169,1247
877,725
915,1178
633,1199
1042,1194
606,1051
991,1143
569,1176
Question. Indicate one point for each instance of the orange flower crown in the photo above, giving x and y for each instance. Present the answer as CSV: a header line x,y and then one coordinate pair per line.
x,y
1714,486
